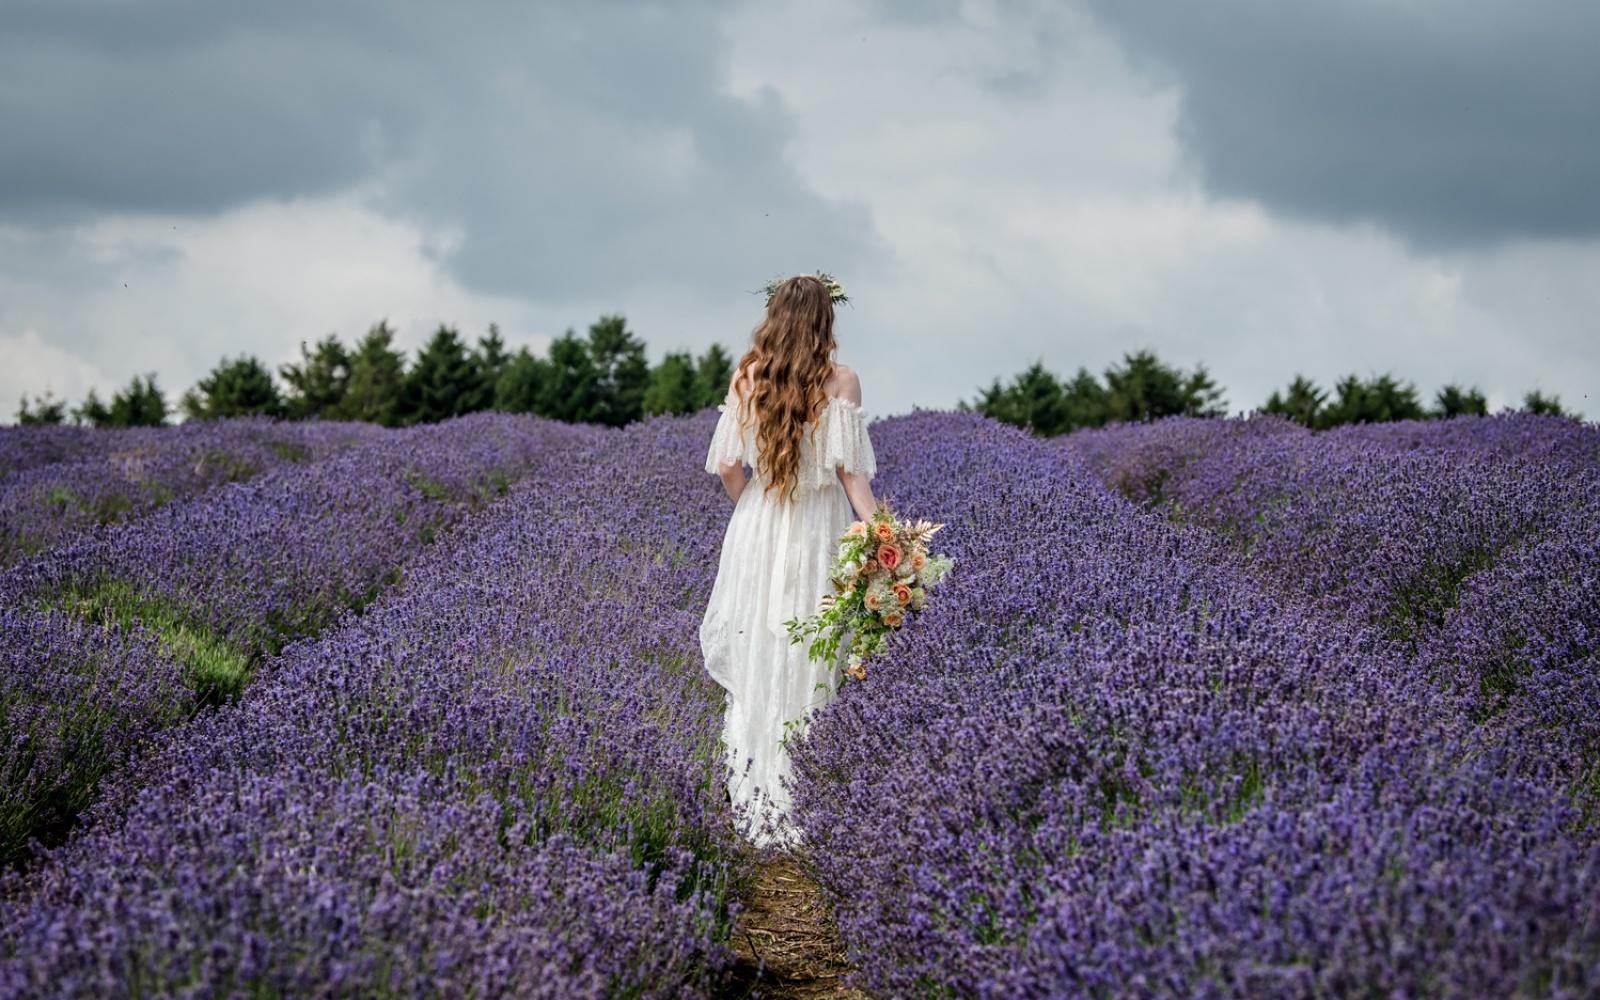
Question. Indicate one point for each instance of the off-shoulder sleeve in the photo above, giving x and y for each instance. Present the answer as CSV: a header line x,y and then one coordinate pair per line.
x,y
843,442
727,442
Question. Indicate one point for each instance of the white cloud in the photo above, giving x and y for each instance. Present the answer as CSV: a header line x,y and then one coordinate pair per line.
x,y
33,368
1060,219
127,294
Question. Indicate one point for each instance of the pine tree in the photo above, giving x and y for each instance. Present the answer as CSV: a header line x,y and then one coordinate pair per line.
x,y
674,386
621,371
523,384
92,411
1454,401
1085,401
713,371
489,362
318,382
376,391
443,382
44,411
572,390
1538,402
1142,387
1376,400
140,404
240,387
1302,402
1033,399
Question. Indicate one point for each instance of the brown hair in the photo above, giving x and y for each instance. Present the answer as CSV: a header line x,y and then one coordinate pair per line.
x,y
787,368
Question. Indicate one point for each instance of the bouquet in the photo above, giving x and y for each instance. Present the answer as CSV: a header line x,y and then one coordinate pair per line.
x,y
882,574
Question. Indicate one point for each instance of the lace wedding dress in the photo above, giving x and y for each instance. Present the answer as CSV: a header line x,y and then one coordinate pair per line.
x,y
774,566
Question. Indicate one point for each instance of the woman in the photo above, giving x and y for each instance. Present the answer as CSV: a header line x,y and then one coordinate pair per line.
x,y
795,418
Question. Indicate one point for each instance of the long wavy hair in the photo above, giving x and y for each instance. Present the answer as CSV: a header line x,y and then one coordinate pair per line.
x,y
785,372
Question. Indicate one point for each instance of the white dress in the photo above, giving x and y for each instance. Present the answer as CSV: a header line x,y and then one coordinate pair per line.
x,y
774,566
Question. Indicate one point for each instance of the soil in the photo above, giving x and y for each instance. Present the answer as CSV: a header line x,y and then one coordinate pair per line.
x,y
785,938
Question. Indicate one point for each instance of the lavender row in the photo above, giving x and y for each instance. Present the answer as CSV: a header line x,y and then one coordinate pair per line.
x,y
1109,762
76,700
219,584
28,447
115,475
261,562
502,779
1481,559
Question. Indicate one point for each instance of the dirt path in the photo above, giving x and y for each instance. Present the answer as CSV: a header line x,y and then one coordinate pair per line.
x,y
787,943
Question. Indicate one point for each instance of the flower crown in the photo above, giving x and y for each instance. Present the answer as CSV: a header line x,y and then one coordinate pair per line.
x,y
835,290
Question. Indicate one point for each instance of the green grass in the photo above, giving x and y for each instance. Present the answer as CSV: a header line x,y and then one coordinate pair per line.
x,y
429,487
215,669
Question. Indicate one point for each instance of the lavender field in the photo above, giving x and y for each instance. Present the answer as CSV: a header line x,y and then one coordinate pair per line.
x,y
1207,708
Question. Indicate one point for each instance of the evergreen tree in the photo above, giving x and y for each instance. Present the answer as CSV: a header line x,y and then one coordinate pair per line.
x,y
44,411
240,387
444,381
674,386
139,404
1376,400
572,390
318,382
1538,402
376,390
1087,402
489,362
712,374
1302,402
92,411
1144,388
1454,401
1034,399
622,374
523,383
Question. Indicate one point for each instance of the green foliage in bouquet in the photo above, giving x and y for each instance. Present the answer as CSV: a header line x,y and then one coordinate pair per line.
x,y
882,574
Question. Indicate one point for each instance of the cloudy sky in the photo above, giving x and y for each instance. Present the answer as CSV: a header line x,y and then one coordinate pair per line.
x,y
1267,188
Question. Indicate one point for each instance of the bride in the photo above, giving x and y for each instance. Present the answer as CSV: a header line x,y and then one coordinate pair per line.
x,y
795,418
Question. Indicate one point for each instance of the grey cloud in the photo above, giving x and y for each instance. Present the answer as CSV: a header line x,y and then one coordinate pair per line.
x,y
575,147
180,107
1458,123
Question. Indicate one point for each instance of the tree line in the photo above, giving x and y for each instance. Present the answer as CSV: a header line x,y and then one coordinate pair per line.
x,y
603,377
1143,387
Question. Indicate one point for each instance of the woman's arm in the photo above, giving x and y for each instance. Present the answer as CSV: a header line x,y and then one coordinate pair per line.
x,y
859,490
733,479
856,485
733,476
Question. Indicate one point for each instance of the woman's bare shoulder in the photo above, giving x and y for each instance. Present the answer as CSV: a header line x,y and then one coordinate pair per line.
x,y
845,382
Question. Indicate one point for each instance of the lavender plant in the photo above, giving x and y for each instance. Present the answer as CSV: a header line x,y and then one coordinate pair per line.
x,y
115,475
1113,760
206,591
502,779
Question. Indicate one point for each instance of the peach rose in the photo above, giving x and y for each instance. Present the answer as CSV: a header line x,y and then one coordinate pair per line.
x,y
871,567
918,560
857,671
885,531
857,530
893,619
871,601
889,556
902,593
